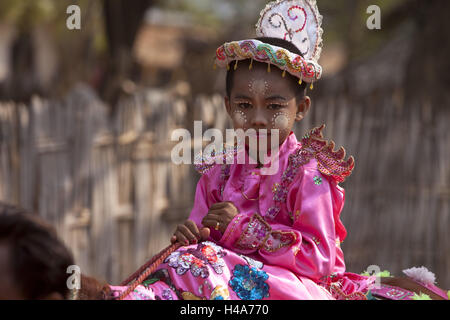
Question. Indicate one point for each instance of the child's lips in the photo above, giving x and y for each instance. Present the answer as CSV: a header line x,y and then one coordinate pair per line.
x,y
259,134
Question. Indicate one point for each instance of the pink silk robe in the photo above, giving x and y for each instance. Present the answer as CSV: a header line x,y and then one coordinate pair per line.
x,y
283,244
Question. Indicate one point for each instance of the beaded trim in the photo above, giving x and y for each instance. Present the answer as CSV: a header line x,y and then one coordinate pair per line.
x,y
305,70
392,292
280,190
329,162
334,286
235,223
338,294
205,162
259,235
279,239
255,235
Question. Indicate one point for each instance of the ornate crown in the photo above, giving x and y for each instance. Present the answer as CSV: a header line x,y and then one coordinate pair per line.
x,y
297,21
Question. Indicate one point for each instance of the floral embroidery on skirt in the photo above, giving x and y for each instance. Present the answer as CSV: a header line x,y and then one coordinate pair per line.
x,y
249,283
196,260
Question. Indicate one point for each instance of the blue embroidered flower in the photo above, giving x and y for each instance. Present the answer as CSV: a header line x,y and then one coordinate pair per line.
x,y
249,283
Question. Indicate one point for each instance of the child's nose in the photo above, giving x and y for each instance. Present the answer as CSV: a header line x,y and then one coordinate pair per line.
x,y
259,120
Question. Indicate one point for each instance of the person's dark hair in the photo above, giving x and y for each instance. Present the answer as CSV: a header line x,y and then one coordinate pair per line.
x,y
301,89
39,258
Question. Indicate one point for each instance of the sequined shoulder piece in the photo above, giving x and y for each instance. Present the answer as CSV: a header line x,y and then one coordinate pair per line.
x,y
205,161
329,162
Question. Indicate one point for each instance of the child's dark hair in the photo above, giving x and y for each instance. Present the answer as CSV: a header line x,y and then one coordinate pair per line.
x,y
299,88
39,258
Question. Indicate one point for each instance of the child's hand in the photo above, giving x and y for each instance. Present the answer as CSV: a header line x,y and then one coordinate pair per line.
x,y
189,233
220,215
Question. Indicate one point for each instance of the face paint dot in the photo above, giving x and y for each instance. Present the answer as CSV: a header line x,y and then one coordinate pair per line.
x,y
239,118
258,86
281,121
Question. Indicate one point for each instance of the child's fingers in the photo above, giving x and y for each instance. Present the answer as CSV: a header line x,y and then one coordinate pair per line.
x,y
187,233
212,216
204,233
193,228
173,239
218,205
209,223
221,210
216,213
230,203
216,225
181,238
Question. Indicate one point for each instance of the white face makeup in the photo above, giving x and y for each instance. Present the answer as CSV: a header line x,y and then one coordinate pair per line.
x,y
280,121
258,86
239,118
260,101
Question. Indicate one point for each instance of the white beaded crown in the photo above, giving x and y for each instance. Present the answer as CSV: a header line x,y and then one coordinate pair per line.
x,y
297,21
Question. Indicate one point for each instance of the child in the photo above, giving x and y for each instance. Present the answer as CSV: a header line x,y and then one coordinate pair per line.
x,y
271,236
33,261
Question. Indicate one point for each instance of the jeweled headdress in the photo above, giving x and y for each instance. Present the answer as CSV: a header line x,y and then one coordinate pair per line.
x,y
297,21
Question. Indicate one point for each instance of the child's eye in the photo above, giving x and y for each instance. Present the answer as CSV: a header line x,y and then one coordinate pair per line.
x,y
275,106
244,105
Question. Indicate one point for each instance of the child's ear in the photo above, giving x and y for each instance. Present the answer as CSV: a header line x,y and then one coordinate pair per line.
x,y
302,107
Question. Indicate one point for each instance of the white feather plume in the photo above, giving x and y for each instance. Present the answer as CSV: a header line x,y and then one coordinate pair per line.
x,y
421,274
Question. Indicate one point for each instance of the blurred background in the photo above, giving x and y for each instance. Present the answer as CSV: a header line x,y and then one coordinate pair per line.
x,y
86,118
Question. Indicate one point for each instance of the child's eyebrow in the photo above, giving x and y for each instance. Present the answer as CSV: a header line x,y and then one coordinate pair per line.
x,y
276,97
243,97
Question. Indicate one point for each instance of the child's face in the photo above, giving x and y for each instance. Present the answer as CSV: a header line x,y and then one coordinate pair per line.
x,y
264,100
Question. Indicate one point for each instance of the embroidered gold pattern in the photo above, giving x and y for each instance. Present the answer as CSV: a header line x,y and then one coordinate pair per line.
x,y
329,162
235,223
255,235
279,239
259,235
